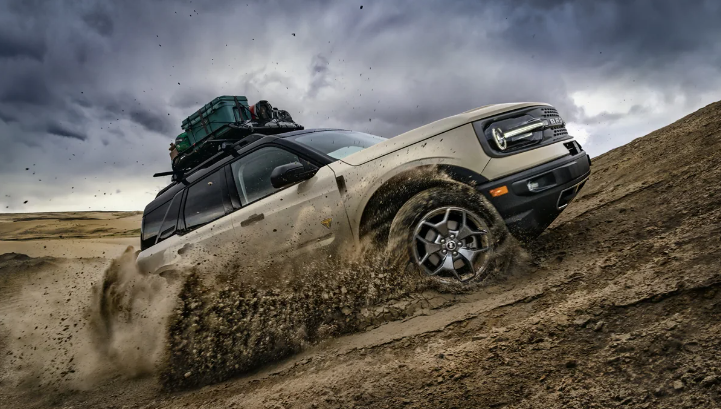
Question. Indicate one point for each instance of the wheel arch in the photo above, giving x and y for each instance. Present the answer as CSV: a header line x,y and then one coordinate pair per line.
x,y
389,197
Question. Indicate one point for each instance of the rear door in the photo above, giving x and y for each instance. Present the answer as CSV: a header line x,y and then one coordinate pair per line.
x,y
196,231
276,223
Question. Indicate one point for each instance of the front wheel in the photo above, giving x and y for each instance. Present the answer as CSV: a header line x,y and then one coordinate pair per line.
x,y
450,234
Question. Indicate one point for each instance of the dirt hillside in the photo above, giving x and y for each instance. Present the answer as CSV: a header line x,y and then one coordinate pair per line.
x,y
68,225
616,305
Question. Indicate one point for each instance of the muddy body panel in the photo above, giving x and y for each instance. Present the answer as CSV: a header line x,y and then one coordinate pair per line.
x,y
526,212
293,222
458,148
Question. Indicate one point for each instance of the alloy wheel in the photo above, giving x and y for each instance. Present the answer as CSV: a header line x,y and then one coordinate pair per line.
x,y
451,244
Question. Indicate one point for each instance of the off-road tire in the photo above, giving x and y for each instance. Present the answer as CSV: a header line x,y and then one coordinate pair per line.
x,y
403,229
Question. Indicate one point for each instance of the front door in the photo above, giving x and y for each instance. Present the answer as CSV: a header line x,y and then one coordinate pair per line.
x,y
272,224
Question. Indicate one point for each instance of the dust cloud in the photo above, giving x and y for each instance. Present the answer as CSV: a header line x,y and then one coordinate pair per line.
x,y
127,316
223,326
71,324
79,322
237,318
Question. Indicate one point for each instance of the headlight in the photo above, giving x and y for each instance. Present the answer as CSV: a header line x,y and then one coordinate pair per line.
x,y
524,131
515,134
521,129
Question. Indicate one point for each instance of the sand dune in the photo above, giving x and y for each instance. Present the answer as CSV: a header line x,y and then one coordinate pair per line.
x,y
69,234
64,225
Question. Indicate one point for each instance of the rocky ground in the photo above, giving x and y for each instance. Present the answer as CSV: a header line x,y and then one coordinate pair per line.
x,y
616,305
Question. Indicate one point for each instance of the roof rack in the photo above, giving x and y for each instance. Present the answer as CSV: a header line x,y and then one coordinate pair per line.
x,y
228,147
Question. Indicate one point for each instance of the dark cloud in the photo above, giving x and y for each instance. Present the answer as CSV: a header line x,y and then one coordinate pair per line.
x,y
319,71
16,45
190,98
146,112
27,8
617,34
100,22
100,78
59,130
26,87
637,110
152,121
6,117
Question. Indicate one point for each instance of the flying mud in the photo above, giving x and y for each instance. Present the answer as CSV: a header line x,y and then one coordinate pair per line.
x,y
229,320
203,322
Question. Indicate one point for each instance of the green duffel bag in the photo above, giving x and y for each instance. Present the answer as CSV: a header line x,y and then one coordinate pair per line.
x,y
182,142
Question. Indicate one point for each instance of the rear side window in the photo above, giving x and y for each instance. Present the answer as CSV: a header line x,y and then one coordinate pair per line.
x,y
151,225
205,201
170,223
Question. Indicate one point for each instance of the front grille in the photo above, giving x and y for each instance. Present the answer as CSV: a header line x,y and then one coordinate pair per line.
x,y
560,131
549,112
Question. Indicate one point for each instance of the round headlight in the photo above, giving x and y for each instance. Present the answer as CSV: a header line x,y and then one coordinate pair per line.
x,y
499,138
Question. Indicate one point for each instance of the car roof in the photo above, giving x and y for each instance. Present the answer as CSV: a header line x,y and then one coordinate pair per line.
x,y
301,132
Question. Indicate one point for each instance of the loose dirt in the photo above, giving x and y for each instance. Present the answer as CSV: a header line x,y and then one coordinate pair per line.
x,y
615,305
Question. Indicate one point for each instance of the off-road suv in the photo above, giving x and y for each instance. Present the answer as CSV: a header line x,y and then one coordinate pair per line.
x,y
439,192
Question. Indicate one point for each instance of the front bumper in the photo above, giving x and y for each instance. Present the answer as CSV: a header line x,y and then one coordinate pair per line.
x,y
538,195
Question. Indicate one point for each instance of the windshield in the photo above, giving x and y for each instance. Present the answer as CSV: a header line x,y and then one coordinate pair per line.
x,y
338,144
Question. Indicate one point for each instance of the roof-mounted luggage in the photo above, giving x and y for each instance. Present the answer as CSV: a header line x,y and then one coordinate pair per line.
x,y
224,119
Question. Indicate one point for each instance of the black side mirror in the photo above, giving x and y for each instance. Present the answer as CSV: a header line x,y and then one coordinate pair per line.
x,y
290,173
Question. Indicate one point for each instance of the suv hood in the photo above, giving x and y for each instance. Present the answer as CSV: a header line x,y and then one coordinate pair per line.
x,y
432,129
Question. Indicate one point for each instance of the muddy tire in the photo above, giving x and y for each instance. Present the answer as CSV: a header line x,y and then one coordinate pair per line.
x,y
449,234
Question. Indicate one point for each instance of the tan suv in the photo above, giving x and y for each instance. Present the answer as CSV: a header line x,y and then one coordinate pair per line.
x,y
438,192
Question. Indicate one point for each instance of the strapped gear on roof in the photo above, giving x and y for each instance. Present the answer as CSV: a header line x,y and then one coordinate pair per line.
x,y
225,119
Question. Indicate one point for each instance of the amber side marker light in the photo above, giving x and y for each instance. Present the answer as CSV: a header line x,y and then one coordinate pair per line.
x,y
499,191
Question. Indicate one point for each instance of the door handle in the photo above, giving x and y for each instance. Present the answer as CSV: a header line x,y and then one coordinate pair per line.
x,y
252,219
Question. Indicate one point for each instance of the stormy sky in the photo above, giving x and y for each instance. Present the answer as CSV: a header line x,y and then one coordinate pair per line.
x,y
93,92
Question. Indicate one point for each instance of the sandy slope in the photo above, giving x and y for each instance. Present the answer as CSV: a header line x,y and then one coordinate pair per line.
x,y
71,248
617,306
64,225
69,234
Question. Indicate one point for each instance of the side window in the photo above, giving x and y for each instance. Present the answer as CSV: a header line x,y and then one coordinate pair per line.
x,y
205,200
151,225
252,172
171,219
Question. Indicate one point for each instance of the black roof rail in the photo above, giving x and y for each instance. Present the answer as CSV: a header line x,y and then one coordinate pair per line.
x,y
229,147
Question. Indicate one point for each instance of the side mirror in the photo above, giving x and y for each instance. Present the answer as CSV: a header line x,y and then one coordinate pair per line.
x,y
290,173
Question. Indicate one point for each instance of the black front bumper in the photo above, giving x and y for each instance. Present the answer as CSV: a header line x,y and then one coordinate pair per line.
x,y
529,208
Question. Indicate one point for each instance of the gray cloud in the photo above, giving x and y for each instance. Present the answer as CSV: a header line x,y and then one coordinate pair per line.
x,y
13,45
635,110
626,33
152,121
99,88
145,113
59,130
26,87
7,118
319,72
190,98
100,22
